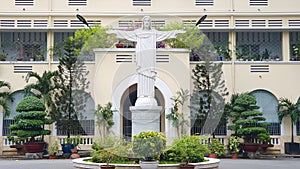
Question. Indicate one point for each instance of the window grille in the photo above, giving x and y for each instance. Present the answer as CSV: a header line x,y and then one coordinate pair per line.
x,y
221,23
76,23
293,23
7,23
204,2
253,45
77,2
23,23
275,23
242,23
141,2
189,23
258,2
125,24
268,103
258,23
158,23
24,2
40,23
60,23
206,23
86,127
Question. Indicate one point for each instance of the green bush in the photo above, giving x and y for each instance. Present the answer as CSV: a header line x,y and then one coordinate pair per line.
x,y
216,147
110,149
189,149
149,145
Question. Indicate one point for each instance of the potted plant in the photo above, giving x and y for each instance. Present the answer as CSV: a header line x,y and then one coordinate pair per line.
x,y
233,147
248,123
288,109
216,148
109,149
53,149
30,123
188,149
2,57
148,146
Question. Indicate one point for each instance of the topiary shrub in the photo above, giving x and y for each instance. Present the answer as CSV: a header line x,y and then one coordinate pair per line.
x,y
31,120
248,122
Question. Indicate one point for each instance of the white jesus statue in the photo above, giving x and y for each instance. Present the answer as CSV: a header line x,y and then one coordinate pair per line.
x,y
145,39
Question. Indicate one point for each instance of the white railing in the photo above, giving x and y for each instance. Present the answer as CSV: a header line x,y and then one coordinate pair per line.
x,y
84,140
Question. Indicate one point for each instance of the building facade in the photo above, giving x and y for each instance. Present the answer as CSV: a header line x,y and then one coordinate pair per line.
x,y
263,37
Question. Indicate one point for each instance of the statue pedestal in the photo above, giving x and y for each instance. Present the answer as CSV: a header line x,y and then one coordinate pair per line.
x,y
145,115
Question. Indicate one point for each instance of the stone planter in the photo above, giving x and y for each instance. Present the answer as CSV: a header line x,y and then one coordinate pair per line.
x,y
149,164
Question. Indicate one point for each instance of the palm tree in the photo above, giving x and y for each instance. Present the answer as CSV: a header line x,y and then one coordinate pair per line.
x,y
43,88
287,108
4,96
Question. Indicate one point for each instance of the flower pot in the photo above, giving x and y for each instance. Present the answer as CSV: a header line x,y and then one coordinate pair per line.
x,y
149,164
251,147
234,156
107,166
74,153
213,155
186,166
52,157
34,147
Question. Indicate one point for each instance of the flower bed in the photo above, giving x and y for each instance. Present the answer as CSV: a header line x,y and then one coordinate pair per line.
x,y
81,163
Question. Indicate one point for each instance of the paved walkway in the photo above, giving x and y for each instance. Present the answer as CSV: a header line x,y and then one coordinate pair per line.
x,y
282,163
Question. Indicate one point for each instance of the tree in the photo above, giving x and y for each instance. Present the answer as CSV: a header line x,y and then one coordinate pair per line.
x,y
287,108
177,115
248,123
207,100
31,120
104,119
4,96
43,88
70,97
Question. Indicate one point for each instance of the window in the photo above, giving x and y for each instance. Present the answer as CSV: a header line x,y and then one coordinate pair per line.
x,y
141,2
294,46
259,46
7,121
258,2
204,2
204,120
24,46
86,124
24,2
268,106
77,2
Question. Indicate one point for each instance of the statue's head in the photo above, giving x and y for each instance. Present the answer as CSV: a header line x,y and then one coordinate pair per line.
x,y
146,23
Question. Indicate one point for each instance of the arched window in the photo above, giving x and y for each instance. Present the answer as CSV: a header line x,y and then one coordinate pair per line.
x,y
213,123
86,120
7,121
268,104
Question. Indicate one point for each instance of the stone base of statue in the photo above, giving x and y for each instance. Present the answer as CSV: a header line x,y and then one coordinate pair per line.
x,y
145,115
149,164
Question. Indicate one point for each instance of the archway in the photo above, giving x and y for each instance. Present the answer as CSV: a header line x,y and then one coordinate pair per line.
x,y
128,99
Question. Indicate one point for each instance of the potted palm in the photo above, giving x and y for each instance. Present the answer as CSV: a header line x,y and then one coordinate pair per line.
x,y
287,108
30,124
148,146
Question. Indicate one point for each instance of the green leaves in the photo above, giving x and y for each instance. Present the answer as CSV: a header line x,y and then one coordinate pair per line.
x,y
30,103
